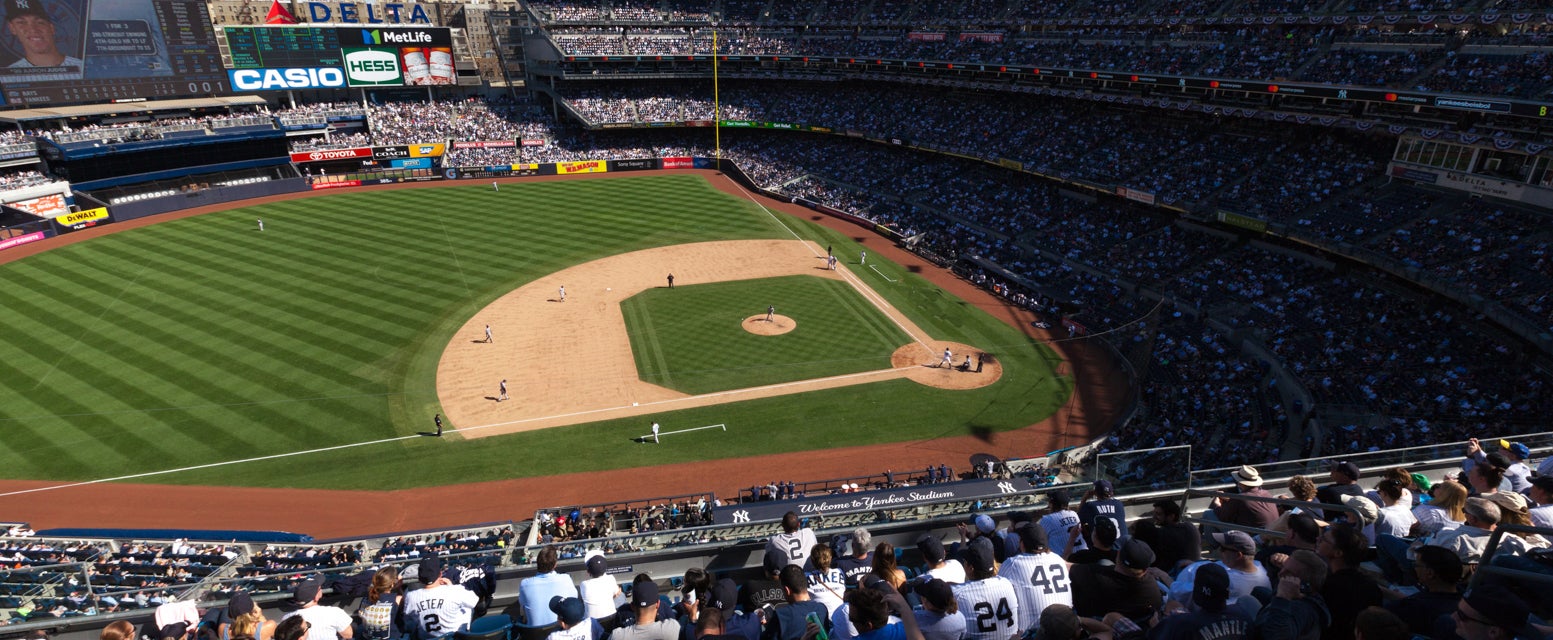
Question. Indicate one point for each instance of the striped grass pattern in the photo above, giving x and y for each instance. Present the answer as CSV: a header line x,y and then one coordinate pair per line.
x,y
205,340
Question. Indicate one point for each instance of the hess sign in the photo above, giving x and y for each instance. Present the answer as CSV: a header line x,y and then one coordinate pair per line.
x,y
280,79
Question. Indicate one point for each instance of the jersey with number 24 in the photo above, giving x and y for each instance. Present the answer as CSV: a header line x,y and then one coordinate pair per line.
x,y
990,608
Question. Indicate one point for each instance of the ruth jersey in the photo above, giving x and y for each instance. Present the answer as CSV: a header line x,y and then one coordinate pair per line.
x,y
1040,580
795,546
434,612
990,607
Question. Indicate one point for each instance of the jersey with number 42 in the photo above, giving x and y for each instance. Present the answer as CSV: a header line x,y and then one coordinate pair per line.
x,y
434,612
1040,580
990,607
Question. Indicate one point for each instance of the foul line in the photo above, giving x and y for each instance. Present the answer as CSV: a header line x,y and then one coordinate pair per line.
x,y
212,465
881,274
847,275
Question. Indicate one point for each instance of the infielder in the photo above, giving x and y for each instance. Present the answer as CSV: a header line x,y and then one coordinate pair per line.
x,y
438,419
563,293
948,360
987,600
671,281
655,433
862,258
488,338
771,313
503,395
261,224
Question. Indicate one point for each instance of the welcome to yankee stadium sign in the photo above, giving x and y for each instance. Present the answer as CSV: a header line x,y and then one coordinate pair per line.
x,y
868,500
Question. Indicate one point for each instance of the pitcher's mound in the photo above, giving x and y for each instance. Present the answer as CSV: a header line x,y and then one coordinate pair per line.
x,y
779,325
921,365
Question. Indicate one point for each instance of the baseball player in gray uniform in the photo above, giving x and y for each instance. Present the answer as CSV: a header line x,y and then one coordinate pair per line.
x,y
987,600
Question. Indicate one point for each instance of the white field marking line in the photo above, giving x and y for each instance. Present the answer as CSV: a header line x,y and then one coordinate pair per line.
x,y
856,283
207,466
724,427
212,465
881,274
452,251
106,308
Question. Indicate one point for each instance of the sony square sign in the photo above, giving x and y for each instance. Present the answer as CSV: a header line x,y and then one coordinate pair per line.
x,y
368,67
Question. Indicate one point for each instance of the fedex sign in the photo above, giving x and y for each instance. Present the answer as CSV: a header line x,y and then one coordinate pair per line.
x,y
280,79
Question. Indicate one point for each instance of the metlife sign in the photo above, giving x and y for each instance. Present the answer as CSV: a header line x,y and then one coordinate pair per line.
x,y
282,79
395,37
365,67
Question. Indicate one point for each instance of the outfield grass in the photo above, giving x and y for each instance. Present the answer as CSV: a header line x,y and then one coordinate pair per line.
x,y
204,340
690,339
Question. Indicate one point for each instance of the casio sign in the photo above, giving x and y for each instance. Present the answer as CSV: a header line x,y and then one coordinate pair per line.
x,y
275,79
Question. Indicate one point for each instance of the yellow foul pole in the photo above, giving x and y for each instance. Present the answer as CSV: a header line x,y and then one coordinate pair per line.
x,y
717,109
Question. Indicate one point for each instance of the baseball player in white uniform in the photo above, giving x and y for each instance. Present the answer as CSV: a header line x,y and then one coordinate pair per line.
x,y
655,429
488,338
563,293
987,600
503,395
948,360
1039,577
439,607
261,224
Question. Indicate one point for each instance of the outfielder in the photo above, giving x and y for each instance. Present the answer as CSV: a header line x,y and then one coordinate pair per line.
x,y
862,257
503,395
438,419
261,224
948,360
655,433
495,186
987,600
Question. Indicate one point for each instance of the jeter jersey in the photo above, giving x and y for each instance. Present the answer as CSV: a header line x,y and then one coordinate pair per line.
x,y
1040,580
434,612
795,546
990,607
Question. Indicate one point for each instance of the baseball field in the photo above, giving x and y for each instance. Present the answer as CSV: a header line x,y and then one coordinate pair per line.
x,y
314,353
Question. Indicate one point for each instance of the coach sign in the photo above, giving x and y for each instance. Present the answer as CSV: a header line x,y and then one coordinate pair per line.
x,y
870,500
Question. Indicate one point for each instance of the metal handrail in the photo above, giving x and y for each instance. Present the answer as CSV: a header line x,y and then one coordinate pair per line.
x,y
1487,567
1190,494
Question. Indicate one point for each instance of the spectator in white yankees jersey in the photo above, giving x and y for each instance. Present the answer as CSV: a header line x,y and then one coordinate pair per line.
x,y
793,544
439,607
1059,522
939,566
1047,582
984,593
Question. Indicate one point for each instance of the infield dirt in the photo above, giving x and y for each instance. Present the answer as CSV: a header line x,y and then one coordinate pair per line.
x,y
1099,396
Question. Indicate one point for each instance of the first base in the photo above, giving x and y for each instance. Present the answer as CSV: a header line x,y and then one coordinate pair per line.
x,y
634,404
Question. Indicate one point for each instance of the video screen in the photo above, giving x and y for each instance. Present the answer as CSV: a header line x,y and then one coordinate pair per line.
x,y
68,51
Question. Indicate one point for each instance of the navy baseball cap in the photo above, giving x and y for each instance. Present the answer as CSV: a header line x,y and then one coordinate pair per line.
x,y
931,547
725,595
937,592
1106,531
239,604
429,569
980,555
597,566
1032,536
1210,588
570,610
644,594
1346,468
18,8
1499,605
1104,488
307,590
1136,554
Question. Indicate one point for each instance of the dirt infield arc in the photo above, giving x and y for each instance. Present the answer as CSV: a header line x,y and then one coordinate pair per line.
x,y
1098,398
570,361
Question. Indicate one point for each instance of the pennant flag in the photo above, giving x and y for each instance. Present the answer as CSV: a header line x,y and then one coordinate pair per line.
x,y
279,14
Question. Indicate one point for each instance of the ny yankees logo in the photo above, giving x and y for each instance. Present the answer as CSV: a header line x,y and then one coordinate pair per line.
x,y
741,516
1006,487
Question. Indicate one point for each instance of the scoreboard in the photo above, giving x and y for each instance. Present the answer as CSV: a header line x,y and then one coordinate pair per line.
x,y
283,47
117,50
